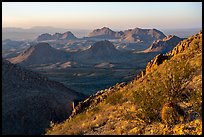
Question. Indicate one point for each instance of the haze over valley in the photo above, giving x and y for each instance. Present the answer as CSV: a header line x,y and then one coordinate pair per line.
x,y
64,66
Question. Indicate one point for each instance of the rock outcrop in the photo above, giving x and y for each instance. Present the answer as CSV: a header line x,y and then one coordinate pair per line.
x,y
165,45
185,44
145,36
137,35
167,101
57,36
104,33
154,63
93,100
180,47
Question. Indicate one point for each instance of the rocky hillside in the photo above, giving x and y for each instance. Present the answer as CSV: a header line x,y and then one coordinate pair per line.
x,y
145,36
166,98
164,45
57,36
136,35
30,101
103,33
40,53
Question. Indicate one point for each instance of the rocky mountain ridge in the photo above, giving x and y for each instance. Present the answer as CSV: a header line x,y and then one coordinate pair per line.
x,y
164,45
57,36
180,47
146,36
174,77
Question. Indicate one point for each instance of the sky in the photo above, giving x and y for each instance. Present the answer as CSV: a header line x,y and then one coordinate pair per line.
x,y
91,15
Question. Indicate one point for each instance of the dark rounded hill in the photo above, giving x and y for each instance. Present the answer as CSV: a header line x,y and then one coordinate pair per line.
x,y
103,46
102,51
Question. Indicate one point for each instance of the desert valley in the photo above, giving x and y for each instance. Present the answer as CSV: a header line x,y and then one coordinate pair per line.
x,y
140,81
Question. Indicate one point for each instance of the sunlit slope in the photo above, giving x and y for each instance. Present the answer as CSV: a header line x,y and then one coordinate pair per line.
x,y
166,98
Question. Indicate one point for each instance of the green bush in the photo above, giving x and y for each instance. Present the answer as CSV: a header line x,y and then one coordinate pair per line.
x,y
95,109
164,85
115,98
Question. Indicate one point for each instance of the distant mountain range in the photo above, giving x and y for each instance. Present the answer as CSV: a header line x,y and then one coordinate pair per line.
x,y
31,33
164,99
104,33
42,55
138,35
30,101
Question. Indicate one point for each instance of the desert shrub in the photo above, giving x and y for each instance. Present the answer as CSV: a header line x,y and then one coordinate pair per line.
x,y
95,109
115,98
196,97
163,85
148,105
196,44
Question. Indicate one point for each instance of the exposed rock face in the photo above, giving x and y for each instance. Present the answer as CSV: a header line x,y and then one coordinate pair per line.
x,y
138,35
68,35
154,63
93,100
142,106
164,45
183,45
103,33
146,36
180,47
39,54
57,36
30,101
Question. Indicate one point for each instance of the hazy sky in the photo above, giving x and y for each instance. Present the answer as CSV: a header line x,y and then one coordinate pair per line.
x,y
91,15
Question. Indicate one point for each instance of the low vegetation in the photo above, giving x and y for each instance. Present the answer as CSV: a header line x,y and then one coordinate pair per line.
x,y
167,100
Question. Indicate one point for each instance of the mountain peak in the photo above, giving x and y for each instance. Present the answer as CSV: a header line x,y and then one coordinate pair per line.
x,y
104,33
164,45
68,32
46,36
170,37
68,35
39,54
105,27
164,100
